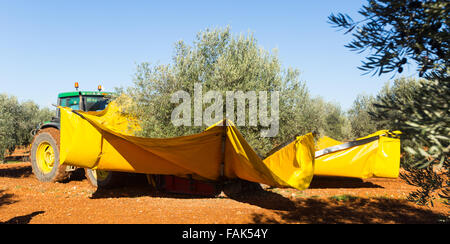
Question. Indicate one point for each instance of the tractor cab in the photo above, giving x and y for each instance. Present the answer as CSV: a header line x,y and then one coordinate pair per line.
x,y
84,100
80,100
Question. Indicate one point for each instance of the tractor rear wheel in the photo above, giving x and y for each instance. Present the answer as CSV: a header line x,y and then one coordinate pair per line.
x,y
45,157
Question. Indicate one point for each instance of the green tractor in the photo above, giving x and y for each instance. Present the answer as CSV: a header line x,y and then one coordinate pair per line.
x,y
45,147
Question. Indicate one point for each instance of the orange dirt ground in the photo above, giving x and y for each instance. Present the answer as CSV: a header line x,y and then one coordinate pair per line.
x,y
23,199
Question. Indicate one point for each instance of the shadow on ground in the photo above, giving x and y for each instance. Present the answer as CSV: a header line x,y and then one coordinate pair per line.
x,y
352,211
246,192
265,199
322,182
6,198
253,194
25,219
16,172
140,191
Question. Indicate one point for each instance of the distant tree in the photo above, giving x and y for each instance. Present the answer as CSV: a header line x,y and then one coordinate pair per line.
x,y
393,33
362,124
330,120
17,120
335,122
362,113
29,119
9,108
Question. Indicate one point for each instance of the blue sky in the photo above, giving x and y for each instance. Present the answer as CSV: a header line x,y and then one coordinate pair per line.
x,y
45,46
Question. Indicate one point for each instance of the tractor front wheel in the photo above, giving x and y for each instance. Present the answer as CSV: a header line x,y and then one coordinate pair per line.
x,y
104,179
45,157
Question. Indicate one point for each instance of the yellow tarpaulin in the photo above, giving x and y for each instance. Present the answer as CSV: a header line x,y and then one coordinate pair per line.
x,y
378,158
103,140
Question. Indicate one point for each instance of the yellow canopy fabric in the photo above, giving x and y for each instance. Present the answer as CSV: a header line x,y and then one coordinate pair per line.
x,y
379,158
104,140
325,142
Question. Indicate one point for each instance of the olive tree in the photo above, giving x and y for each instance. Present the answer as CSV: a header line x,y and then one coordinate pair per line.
x,y
220,61
17,121
393,34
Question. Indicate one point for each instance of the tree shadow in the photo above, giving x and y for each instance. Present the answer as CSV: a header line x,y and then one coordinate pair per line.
x,y
353,211
264,199
321,182
16,172
25,219
6,199
253,194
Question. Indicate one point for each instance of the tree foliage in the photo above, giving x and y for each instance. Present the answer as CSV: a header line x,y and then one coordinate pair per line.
x,y
221,61
331,120
363,113
393,33
422,115
17,120
361,123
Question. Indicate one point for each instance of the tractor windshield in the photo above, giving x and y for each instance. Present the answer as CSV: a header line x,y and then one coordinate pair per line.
x,y
90,103
94,103
71,102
